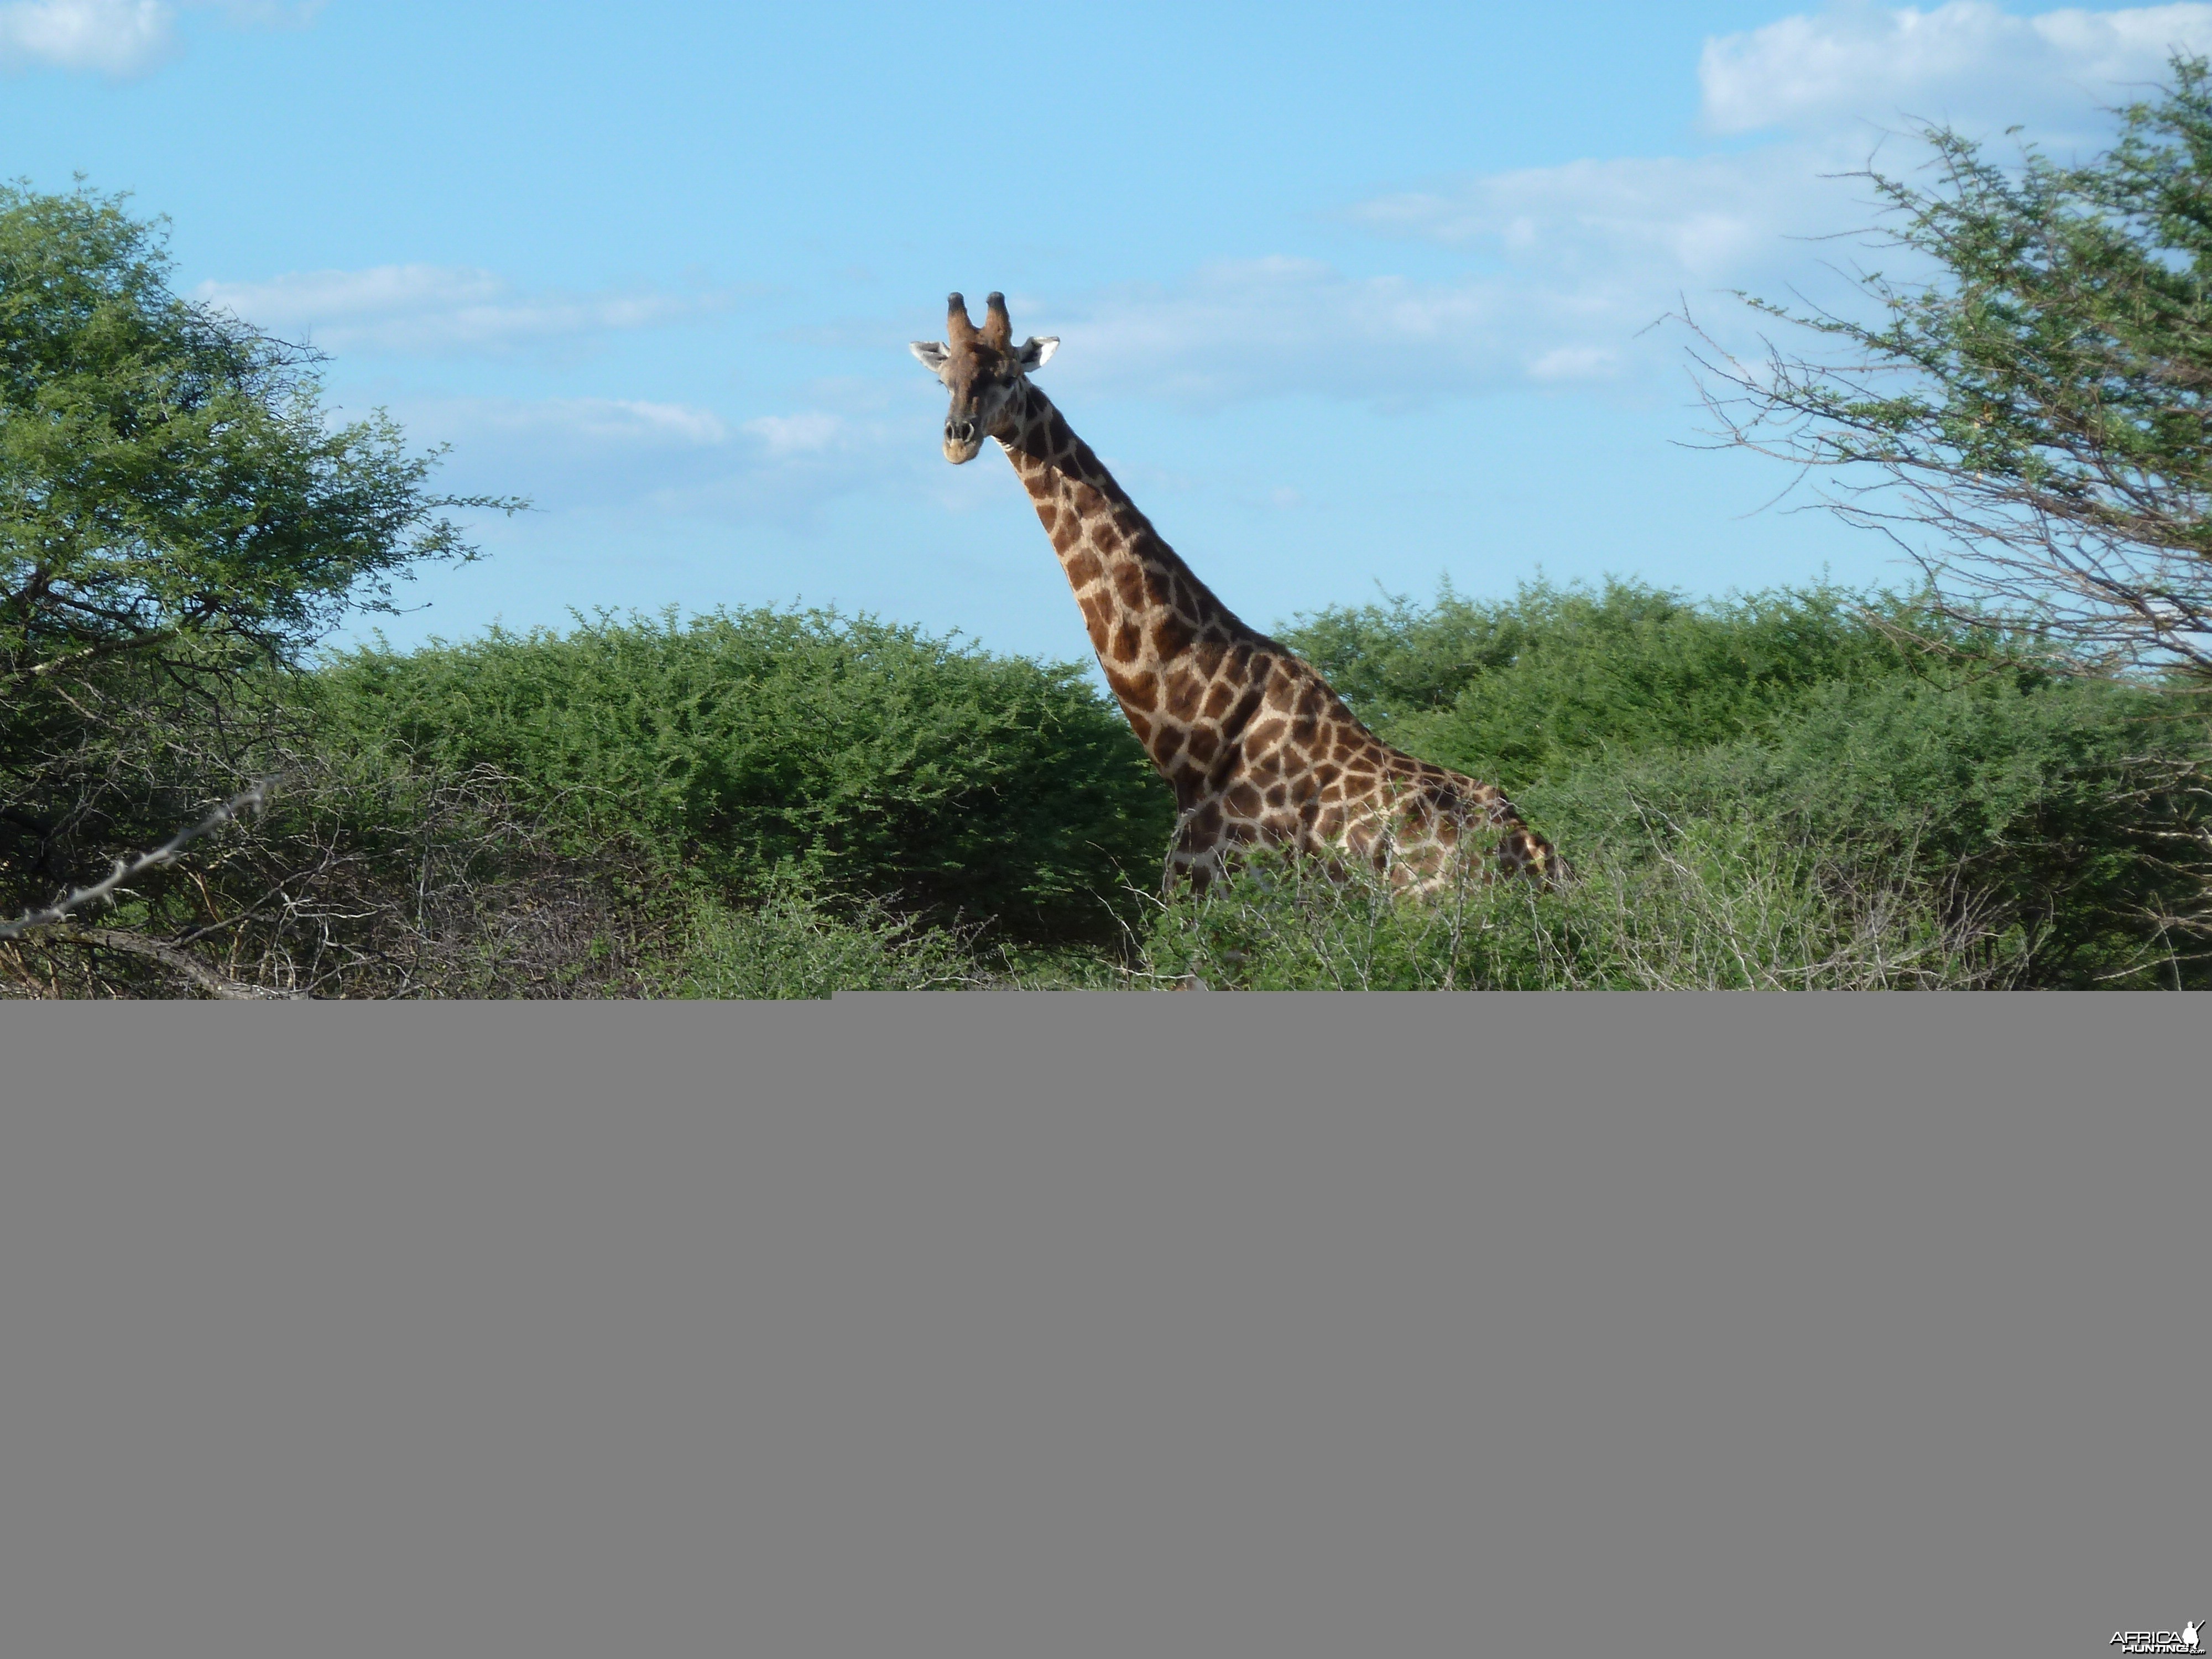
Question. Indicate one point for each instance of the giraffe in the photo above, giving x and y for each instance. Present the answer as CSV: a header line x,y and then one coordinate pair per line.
x,y
1257,746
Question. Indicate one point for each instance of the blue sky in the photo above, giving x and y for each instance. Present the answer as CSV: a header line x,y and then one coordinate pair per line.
x,y
1346,297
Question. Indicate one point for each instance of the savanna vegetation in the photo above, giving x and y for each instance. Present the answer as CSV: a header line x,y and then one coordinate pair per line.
x,y
2007,785
1798,789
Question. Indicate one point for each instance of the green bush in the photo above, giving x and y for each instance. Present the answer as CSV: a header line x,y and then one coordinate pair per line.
x,y
1711,905
1765,793
1525,688
866,758
2069,809
2064,813
789,944
1722,904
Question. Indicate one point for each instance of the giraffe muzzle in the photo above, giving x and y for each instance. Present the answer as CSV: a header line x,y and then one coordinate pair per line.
x,y
962,438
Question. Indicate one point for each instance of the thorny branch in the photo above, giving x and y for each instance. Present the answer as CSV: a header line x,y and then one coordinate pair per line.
x,y
251,800
218,985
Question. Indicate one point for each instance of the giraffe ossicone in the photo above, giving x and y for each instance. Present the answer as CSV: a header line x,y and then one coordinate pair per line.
x,y
1257,746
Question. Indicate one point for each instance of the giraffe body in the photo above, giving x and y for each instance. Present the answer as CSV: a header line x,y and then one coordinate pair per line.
x,y
1257,746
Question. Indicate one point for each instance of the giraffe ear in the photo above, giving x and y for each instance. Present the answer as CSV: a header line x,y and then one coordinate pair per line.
x,y
931,355
1036,353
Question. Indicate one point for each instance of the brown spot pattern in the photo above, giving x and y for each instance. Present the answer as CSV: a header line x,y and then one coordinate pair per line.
x,y
1141,690
1184,690
1129,584
1170,635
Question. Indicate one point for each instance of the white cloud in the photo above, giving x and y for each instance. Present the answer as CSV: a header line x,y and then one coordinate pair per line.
x,y
123,38
1278,327
1651,223
679,422
628,421
442,311
809,432
266,14
1568,266
565,430
116,37
1965,61
1564,270
796,463
564,452
597,455
1576,363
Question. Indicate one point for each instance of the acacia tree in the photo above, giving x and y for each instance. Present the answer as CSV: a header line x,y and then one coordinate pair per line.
x,y
167,471
2034,424
177,514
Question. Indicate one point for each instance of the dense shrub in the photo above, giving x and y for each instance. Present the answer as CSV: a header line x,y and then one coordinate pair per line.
x,y
1525,688
1776,793
1722,905
362,876
867,758
790,943
2067,809
2064,812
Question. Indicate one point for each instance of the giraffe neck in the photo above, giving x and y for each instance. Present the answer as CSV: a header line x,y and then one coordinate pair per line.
x,y
1170,650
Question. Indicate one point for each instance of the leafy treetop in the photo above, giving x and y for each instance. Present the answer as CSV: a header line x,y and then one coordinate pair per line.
x,y
167,475
2043,404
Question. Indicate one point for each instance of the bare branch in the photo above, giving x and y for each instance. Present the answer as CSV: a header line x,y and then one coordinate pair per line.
x,y
217,985
251,800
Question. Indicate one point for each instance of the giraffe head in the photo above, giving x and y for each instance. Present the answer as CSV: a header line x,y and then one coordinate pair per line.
x,y
983,369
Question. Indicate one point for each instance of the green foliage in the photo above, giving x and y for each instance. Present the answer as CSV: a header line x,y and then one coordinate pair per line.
x,y
2069,807
2041,403
1396,659
1765,793
2069,346
1723,904
790,943
175,514
868,759
1522,690
164,470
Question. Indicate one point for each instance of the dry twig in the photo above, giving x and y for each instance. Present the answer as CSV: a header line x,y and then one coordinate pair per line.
x,y
251,800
